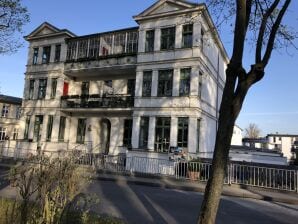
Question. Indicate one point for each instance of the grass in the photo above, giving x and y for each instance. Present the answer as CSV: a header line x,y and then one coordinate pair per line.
x,y
9,215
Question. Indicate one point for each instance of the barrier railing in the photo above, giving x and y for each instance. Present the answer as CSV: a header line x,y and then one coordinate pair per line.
x,y
249,175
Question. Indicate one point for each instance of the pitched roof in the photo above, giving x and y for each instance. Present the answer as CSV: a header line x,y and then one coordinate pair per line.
x,y
10,99
46,29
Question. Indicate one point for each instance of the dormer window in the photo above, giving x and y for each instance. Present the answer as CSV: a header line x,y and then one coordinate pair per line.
x,y
46,54
168,38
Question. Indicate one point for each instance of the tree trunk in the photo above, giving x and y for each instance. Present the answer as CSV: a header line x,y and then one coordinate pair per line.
x,y
227,116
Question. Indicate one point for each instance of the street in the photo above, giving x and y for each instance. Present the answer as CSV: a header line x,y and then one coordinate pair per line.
x,y
142,204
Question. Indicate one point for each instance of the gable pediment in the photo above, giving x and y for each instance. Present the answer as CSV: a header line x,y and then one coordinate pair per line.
x,y
45,31
166,6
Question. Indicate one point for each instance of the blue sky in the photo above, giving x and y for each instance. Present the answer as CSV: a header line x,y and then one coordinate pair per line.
x,y
271,103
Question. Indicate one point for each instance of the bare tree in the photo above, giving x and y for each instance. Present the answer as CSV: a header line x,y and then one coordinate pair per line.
x,y
259,21
252,131
13,16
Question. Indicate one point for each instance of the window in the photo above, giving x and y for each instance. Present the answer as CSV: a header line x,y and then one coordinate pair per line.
x,y
131,87
202,38
2,133
127,132
198,135
18,112
15,134
54,88
46,54
144,131
42,88
184,86
168,38
49,127
71,50
57,52
27,124
165,83
162,134
200,84
81,130
187,32
38,127
83,48
149,43
35,56
108,83
147,82
61,128
106,44
94,47
119,43
31,89
182,140
85,89
5,110
132,42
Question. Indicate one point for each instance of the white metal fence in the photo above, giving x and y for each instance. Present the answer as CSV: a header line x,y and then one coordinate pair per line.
x,y
237,173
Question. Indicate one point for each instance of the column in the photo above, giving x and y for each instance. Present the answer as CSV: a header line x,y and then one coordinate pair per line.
x,y
176,80
157,40
196,33
141,43
178,37
192,135
139,83
154,83
174,131
135,132
151,133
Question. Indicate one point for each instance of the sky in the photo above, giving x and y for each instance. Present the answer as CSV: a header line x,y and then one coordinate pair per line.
x,y
272,104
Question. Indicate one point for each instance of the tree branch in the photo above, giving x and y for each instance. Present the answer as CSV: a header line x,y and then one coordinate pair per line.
x,y
263,29
273,32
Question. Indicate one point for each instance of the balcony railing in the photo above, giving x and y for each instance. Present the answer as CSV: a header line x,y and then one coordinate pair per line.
x,y
97,101
97,46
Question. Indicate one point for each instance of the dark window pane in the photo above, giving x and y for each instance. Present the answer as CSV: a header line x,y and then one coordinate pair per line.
x,y
147,83
187,35
184,85
49,128
149,43
42,88
131,87
162,134
182,140
165,83
81,130
168,38
144,130
35,56
46,54
57,52
54,88
62,128
127,132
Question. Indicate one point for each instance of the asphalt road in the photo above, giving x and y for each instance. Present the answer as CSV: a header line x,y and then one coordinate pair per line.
x,y
141,204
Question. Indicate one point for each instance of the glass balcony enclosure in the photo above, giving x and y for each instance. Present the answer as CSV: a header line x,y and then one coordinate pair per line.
x,y
97,46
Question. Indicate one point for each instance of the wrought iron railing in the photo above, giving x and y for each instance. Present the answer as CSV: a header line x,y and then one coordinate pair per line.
x,y
96,101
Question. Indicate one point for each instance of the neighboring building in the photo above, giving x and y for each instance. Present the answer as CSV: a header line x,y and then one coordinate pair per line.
x,y
137,90
257,143
285,143
237,136
9,119
255,155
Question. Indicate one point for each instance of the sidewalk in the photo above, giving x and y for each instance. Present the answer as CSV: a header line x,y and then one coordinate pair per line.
x,y
234,190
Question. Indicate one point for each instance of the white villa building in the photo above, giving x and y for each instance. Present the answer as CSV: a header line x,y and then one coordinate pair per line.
x,y
136,90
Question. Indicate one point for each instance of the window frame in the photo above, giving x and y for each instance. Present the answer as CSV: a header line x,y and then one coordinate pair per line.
x,y
147,83
42,89
162,126
182,132
35,56
57,57
167,38
5,110
81,130
62,125
144,132
127,132
46,54
31,89
149,40
185,82
164,83
49,128
187,36
3,131
54,82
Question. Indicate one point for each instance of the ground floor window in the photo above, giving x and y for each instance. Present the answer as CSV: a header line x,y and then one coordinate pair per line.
x,y
127,132
144,130
15,134
182,138
38,127
81,130
61,128
49,128
2,133
27,124
162,134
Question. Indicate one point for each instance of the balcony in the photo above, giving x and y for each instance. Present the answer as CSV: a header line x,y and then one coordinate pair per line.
x,y
102,55
96,103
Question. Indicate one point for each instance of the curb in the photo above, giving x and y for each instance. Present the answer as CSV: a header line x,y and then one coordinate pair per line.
x,y
200,189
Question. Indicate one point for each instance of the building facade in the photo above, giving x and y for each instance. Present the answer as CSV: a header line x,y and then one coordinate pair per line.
x,y
138,90
9,120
